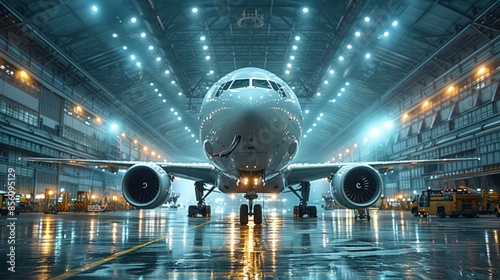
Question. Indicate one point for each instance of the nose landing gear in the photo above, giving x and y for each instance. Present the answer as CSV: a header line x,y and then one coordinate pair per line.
x,y
246,210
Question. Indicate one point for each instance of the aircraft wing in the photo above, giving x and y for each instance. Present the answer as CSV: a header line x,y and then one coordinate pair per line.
x,y
191,171
297,172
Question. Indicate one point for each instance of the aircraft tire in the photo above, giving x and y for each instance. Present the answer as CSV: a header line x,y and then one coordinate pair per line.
x,y
257,214
244,214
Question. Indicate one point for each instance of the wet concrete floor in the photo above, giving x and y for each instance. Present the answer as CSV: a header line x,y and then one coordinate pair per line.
x,y
166,244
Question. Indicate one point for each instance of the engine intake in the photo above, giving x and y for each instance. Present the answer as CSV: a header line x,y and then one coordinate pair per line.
x,y
357,186
146,186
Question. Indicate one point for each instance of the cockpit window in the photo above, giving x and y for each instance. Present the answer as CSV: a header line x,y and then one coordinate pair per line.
x,y
240,83
261,83
223,88
277,87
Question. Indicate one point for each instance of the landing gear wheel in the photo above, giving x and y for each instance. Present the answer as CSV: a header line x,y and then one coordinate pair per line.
x,y
208,211
312,212
192,211
244,214
257,214
298,211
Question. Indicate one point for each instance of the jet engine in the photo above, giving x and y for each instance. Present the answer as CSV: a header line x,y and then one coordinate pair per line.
x,y
146,186
357,186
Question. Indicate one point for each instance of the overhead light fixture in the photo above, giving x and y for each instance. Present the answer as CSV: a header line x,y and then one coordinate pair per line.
x,y
357,33
150,48
124,48
194,10
294,47
297,38
368,55
133,19
395,23
367,19
349,46
332,71
305,10
158,58
386,33
143,34
167,72
94,8
207,57
205,47
132,57
203,38
115,35
341,58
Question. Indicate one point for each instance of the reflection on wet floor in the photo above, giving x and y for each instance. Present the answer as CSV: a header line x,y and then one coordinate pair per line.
x,y
165,244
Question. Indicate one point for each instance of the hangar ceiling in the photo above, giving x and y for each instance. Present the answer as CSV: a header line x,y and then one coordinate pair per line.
x,y
123,54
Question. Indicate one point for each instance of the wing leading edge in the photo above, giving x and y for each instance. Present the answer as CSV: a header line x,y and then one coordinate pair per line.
x,y
297,173
192,171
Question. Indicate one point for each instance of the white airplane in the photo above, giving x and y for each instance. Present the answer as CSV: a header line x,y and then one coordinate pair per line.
x,y
250,128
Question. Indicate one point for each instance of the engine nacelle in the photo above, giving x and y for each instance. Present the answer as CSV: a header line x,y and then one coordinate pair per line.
x,y
146,186
357,186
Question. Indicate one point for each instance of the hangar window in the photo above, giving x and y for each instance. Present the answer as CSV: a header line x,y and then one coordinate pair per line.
x,y
240,83
261,84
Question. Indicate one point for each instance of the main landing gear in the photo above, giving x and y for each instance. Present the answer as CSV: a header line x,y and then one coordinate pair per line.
x,y
246,210
302,209
201,208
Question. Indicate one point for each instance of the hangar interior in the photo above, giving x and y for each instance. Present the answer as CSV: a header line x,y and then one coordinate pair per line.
x,y
123,80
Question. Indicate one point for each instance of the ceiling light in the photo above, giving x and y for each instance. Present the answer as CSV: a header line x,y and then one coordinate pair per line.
x,y
318,118
395,23
325,82
175,113
341,58
192,135
333,100
194,10
151,84
143,34
297,38
386,34
164,100
150,48
133,19
203,38
292,57
306,111
172,82
289,65
180,93
158,58
211,72
332,72
314,124
205,47
156,90
160,95
346,83
179,118
167,72
124,48
207,57
172,109
94,8
294,47
342,89
357,34
115,35
132,57
367,19
368,55
320,114
339,94
305,10
287,72
349,46
138,63
305,136
318,93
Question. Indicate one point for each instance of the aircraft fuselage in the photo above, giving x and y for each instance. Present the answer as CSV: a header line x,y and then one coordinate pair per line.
x,y
250,128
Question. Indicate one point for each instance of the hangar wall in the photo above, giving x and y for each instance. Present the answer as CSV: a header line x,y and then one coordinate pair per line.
x,y
457,115
41,115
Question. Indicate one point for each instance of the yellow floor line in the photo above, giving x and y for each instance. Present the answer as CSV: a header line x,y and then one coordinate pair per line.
x,y
113,256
